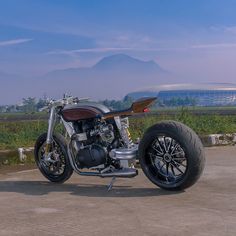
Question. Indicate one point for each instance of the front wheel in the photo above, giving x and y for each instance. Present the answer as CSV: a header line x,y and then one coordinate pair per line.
x,y
55,165
171,155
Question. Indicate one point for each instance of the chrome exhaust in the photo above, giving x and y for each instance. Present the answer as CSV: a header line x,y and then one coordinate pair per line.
x,y
122,173
124,153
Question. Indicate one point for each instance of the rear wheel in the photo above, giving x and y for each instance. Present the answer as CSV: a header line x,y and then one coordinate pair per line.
x,y
55,165
171,155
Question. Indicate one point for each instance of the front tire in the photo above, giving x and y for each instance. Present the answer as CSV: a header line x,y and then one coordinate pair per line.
x,y
171,155
57,169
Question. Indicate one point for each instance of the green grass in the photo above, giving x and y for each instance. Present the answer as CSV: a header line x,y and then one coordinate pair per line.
x,y
22,116
24,133
201,124
208,124
20,133
193,108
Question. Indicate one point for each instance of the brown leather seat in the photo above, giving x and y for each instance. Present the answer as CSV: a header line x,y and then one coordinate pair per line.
x,y
93,110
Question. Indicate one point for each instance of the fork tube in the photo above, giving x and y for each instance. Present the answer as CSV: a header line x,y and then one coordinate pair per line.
x,y
51,123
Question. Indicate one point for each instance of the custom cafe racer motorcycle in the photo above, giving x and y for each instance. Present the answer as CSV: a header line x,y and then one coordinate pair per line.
x,y
97,142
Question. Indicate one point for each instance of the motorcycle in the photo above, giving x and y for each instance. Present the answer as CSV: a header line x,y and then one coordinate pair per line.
x,y
97,142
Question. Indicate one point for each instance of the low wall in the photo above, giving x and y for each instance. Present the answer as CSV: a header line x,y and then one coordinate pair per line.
x,y
218,139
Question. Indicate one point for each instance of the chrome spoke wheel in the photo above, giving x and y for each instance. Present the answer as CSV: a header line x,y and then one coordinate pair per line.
x,y
53,163
167,159
171,155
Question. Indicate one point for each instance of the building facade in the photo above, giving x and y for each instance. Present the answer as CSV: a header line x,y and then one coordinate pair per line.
x,y
201,97
214,94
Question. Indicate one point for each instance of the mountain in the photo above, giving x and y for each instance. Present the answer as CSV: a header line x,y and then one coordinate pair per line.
x,y
125,62
111,77
116,63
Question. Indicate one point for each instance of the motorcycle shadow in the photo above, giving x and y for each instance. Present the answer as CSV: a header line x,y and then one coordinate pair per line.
x,y
39,188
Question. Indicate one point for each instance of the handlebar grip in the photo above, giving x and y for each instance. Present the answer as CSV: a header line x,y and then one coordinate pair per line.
x,y
83,99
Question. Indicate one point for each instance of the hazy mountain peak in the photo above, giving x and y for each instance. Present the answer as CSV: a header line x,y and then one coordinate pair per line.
x,y
112,77
124,61
115,58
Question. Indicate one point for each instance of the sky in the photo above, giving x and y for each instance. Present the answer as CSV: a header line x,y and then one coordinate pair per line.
x,y
194,40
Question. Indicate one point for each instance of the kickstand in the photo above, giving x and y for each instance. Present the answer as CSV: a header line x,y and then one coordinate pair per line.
x,y
111,184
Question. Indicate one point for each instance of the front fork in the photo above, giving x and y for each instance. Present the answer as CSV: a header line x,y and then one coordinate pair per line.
x,y
51,125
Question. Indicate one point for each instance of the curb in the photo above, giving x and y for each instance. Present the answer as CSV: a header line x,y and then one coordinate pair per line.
x,y
218,140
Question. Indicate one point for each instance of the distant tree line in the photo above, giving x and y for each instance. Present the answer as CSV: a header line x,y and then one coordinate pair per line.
x,y
31,104
173,102
28,105
118,104
178,102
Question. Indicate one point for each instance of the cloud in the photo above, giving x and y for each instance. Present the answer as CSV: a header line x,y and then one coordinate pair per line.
x,y
111,49
127,40
118,42
14,42
216,45
231,29
75,52
90,50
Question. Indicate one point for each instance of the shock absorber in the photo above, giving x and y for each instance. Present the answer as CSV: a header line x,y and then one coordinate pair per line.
x,y
123,125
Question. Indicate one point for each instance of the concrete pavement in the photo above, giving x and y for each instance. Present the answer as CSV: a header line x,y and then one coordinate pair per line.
x,y
30,205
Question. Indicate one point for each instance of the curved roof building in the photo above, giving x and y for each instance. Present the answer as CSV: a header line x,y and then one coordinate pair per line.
x,y
211,94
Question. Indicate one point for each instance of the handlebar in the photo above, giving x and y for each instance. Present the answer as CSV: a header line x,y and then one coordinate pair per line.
x,y
62,102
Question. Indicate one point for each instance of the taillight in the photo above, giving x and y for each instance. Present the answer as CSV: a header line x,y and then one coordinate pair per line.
x,y
146,110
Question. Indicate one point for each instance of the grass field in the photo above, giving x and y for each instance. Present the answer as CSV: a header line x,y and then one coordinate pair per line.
x,y
4,117
17,133
201,124
20,133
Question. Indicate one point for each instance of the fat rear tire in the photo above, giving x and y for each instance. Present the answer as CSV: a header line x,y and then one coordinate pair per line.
x,y
190,144
61,143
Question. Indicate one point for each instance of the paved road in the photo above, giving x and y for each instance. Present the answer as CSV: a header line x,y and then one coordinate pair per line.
x,y
29,205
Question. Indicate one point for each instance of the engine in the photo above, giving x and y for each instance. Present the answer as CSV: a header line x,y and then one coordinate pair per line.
x,y
91,156
94,139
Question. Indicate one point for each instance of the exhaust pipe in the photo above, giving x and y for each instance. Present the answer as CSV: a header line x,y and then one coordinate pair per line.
x,y
122,173
124,153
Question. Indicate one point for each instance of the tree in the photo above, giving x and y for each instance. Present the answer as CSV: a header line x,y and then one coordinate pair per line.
x,y
179,102
128,101
41,103
29,104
